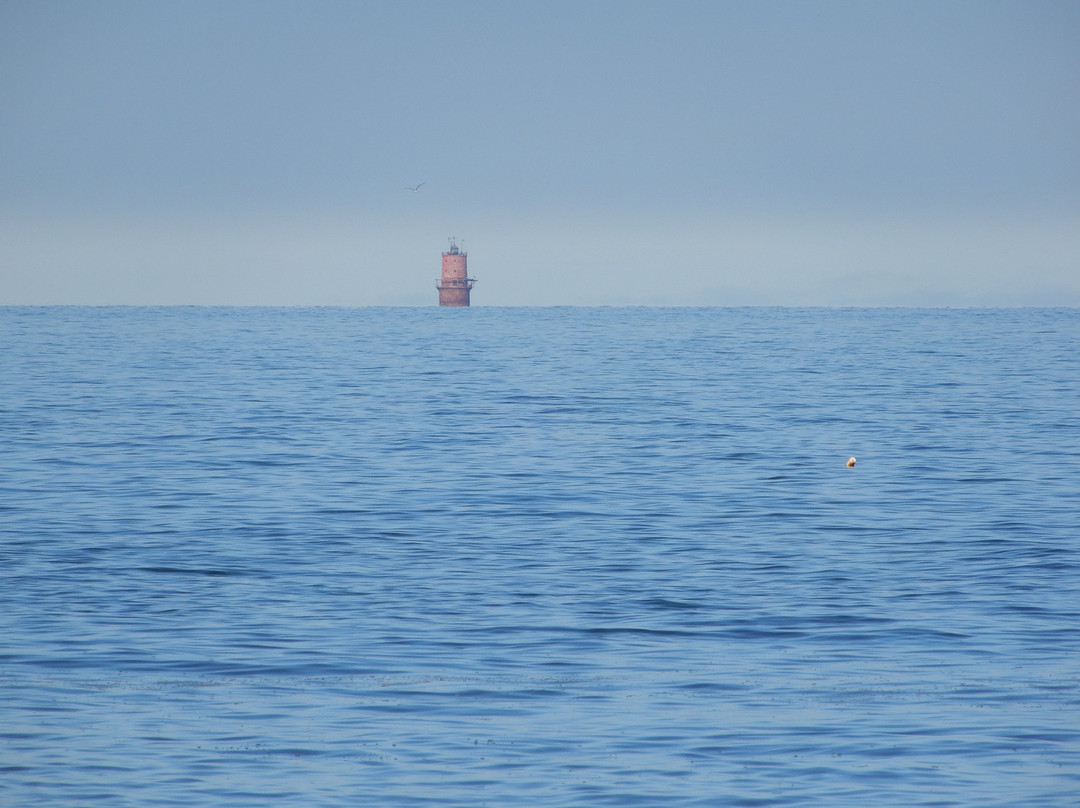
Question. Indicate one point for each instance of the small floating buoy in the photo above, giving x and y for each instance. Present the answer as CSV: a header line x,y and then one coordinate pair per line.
x,y
851,462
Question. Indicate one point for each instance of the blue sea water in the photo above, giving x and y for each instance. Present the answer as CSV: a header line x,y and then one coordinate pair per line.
x,y
539,557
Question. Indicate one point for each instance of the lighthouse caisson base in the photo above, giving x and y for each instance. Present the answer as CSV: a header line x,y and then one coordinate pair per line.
x,y
455,284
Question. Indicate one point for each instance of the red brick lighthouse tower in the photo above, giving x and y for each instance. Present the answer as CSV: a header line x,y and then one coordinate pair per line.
x,y
455,284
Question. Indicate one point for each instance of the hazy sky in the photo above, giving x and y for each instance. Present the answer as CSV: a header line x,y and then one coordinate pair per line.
x,y
679,153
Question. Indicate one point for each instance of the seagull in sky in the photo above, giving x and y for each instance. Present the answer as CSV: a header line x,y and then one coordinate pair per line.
x,y
415,188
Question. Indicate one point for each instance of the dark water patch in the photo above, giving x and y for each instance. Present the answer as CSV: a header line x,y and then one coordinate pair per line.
x,y
212,573
711,687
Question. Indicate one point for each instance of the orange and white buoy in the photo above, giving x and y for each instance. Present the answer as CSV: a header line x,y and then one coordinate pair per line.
x,y
851,462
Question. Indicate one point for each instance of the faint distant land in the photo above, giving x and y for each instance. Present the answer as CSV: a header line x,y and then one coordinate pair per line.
x,y
455,284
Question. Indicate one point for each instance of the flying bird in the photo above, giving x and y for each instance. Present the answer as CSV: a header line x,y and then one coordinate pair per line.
x,y
415,188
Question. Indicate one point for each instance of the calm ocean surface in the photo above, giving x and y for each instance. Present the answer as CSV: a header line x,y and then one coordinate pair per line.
x,y
539,557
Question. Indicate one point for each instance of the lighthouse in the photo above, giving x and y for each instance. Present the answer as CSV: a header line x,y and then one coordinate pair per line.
x,y
455,284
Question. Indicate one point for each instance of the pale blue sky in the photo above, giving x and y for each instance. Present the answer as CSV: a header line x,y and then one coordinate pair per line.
x,y
679,153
